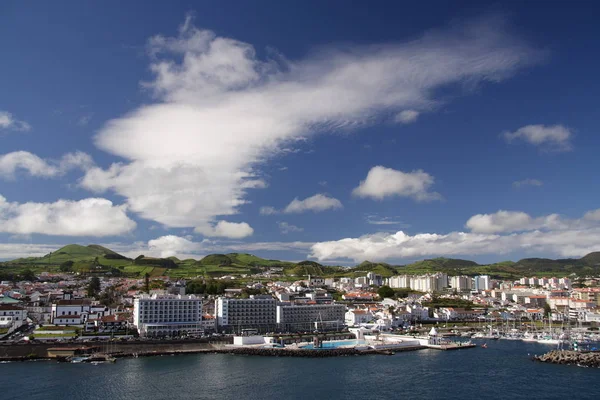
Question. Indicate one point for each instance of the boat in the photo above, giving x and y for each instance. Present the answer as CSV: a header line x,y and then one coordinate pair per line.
x,y
484,345
77,360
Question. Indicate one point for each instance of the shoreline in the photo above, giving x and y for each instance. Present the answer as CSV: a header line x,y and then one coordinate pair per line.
x,y
241,351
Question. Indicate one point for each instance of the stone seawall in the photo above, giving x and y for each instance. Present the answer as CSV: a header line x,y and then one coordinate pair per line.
x,y
580,358
40,350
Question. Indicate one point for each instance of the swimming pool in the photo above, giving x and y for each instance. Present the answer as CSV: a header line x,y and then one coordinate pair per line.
x,y
335,344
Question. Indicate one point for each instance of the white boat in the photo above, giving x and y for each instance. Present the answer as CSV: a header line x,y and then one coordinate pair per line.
x,y
550,341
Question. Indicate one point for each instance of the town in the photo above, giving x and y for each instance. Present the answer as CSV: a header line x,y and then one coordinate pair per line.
x,y
61,307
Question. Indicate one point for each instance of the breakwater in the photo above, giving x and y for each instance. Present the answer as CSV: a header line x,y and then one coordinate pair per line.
x,y
568,357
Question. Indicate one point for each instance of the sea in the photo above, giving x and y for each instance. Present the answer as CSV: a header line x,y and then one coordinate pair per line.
x,y
503,370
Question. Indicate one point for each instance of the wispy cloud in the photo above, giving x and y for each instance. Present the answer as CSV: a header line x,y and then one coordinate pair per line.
x,y
548,138
25,161
221,111
85,119
407,116
527,182
286,228
375,219
9,122
317,203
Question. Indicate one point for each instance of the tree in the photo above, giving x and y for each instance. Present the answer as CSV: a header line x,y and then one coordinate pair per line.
x,y
385,291
93,287
67,266
28,275
547,310
147,283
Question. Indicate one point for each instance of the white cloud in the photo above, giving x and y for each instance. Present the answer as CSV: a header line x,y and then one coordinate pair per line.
x,y
407,116
87,217
268,210
8,121
593,215
514,221
501,221
528,182
382,246
286,228
170,245
221,111
550,138
317,203
384,182
232,230
491,234
10,163
10,251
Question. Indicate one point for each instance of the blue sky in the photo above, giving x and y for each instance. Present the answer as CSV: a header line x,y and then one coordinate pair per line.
x,y
300,130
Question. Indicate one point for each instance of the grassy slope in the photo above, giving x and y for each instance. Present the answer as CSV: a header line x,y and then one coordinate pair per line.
x,y
84,258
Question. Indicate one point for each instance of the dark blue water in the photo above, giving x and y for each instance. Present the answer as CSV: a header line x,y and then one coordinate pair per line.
x,y
502,371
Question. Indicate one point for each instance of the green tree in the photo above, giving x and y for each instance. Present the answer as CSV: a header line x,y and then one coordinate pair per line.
x,y
385,291
547,310
28,275
93,287
147,283
67,266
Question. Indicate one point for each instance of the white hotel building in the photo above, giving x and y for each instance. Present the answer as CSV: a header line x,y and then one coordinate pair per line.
x,y
257,312
167,315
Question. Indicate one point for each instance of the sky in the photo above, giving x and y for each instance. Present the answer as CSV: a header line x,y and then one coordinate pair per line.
x,y
386,131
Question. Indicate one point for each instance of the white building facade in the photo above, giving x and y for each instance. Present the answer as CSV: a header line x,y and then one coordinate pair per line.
x,y
258,312
167,315
12,317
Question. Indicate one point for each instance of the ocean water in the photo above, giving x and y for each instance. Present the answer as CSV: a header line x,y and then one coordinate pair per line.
x,y
502,371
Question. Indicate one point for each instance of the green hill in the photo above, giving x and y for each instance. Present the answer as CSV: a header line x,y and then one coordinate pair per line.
x,y
591,259
71,252
382,269
216,259
101,260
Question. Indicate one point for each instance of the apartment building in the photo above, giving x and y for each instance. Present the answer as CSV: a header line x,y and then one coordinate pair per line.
x,y
461,283
167,315
257,312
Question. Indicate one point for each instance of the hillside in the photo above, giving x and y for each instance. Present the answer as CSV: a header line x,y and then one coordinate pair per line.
x,y
591,259
71,252
98,259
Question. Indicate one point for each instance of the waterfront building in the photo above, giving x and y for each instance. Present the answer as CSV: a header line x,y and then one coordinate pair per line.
x,y
11,317
69,311
357,317
257,312
208,323
308,317
167,315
